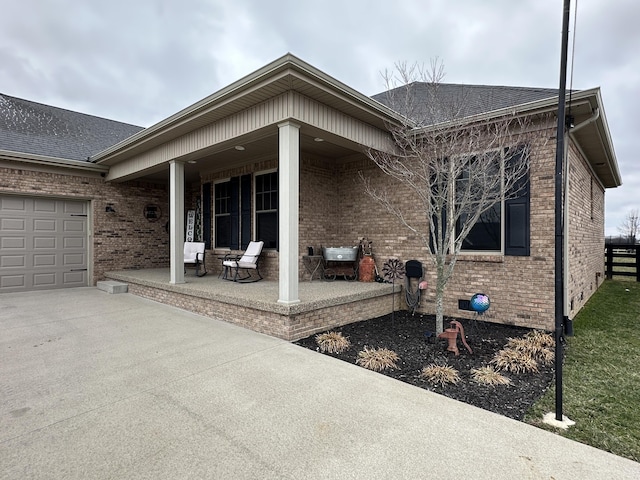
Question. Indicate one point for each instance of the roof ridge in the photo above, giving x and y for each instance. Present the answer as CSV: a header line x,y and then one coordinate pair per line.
x,y
484,85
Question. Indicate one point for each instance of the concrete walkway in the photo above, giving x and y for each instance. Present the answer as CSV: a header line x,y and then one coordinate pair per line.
x,y
105,386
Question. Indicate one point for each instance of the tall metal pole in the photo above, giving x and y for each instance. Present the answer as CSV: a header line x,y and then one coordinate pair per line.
x,y
559,220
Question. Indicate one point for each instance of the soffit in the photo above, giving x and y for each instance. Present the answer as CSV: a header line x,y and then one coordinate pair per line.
x,y
595,139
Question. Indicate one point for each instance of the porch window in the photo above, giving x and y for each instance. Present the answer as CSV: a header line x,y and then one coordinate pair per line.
x,y
232,211
266,201
222,214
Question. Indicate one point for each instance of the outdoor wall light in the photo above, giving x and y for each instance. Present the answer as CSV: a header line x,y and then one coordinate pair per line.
x,y
109,208
570,121
240,148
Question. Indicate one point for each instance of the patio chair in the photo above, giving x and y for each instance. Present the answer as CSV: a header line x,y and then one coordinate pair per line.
x,y
194,255
247,262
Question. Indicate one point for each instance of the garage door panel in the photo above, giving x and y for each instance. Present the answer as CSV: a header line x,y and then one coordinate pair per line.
x,y
73,226
44,280
12,261
75,242
77,279
43,243
74,260
44,205
12,225
8,243
13,204
75,208
12,282
44,225
40,260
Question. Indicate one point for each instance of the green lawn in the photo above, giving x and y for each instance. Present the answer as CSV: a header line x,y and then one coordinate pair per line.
x,y
601,374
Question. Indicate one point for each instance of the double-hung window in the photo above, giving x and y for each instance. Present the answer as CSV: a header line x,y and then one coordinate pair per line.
x,y
504,226
267,209
222,213
232,211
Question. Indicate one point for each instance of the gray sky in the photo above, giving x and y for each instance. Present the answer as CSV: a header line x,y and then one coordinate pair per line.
x,y
139,61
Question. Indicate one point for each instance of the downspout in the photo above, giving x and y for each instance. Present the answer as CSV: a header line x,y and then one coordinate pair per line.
x,y
568,327
567,322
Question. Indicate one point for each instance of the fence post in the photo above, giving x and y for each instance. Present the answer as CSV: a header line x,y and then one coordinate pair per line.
x,y
637,264
609,264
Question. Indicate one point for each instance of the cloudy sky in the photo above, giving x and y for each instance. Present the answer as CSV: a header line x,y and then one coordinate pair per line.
x,y
139,61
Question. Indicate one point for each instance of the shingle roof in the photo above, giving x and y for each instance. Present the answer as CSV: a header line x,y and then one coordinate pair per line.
x,y
427,103
34,128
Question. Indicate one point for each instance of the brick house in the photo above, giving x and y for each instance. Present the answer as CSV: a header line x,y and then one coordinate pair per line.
x,y
274,156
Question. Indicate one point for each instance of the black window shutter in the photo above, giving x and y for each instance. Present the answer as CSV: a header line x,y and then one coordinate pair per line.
x,y
517,221
234,213
245,210
206,215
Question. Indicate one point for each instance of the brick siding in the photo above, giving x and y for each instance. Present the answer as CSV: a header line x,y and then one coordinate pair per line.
x,y
288,327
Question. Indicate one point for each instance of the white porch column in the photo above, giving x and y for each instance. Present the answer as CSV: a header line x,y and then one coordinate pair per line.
x,y
288,197
176,220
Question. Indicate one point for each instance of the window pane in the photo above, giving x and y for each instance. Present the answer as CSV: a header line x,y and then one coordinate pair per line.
x,y
267,209
267,228
485,234
222,198
223,231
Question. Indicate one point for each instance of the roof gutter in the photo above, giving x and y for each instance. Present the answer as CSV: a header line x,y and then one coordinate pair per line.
x,y
539,106
52,161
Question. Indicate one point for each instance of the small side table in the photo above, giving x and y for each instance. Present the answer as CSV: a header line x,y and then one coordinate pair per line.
x,y
313,265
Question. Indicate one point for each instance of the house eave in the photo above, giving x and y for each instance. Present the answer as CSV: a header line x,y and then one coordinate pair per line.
x,y
43,160
595,139
285,73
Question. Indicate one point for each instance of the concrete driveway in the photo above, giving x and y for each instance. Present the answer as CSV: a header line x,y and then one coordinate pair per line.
x,y
117,387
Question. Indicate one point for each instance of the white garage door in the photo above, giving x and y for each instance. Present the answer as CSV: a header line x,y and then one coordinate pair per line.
x,y
43,243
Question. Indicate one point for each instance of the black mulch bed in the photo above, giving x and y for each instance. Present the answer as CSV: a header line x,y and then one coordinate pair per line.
x,y
405,335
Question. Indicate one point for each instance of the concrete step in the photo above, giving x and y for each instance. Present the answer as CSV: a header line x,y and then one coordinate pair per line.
x,y
112,286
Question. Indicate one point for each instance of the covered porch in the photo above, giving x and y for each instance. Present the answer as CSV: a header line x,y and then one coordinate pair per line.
x,y
255,306
259,160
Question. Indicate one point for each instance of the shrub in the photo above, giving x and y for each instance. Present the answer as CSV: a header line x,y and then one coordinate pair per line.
x,y
332,342
488,376
377,359
515,361
543,339
536,344
436,373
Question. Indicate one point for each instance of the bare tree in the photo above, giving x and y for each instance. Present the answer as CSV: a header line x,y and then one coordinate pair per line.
x,y
457,165
630,226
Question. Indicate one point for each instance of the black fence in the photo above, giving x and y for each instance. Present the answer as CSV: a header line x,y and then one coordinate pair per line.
x,y
622,259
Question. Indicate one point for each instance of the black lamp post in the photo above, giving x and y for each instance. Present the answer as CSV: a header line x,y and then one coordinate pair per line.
x,y
559,214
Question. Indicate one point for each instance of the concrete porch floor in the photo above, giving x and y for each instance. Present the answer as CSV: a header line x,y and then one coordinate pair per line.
x,y
317,299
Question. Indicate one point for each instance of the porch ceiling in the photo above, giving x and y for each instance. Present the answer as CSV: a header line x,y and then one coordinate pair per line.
x,y
255,149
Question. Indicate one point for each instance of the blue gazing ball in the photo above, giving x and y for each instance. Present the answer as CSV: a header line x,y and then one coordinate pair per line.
x,y
480,302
